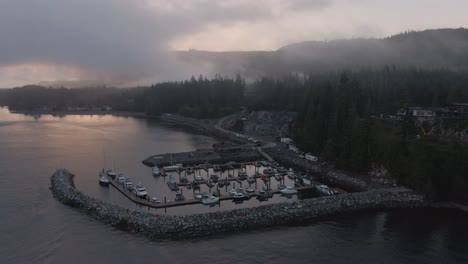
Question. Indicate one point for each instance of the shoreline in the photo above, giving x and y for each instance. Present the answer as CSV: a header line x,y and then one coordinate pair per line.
x,y
154,226
88,112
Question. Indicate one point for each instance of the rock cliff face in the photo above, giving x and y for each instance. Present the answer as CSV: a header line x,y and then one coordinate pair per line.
x,y
156,226
274,124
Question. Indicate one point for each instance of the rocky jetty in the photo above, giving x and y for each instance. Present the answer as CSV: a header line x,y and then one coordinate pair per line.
x,y
156,226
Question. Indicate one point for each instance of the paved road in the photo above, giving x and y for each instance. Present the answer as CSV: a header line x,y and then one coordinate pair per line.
x,y
218,126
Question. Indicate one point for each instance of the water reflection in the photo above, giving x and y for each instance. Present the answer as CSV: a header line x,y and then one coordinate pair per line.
x,y
36,228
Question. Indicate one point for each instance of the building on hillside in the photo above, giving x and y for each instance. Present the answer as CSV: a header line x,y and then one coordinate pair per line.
x,y
459,110
423,113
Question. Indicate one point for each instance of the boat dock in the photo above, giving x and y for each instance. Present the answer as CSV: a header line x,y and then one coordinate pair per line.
x,y
166,204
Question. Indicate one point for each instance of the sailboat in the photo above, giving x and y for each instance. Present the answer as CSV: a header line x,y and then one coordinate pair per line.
x,y
103,181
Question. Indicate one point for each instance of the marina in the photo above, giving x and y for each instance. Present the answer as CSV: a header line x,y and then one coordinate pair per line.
x,y
236,181
166,203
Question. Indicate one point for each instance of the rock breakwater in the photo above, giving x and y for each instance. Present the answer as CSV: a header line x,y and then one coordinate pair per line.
x,y
156,226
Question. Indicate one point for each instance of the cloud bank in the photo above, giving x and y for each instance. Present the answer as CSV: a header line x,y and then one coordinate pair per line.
x,y
127,42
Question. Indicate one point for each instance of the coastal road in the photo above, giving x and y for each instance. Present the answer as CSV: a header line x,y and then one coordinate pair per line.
x,y
218,126
268,144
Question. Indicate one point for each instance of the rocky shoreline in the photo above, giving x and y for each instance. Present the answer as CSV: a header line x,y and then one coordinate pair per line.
x,y
156,226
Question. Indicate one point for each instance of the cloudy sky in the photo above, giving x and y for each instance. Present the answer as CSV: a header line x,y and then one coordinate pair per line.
x,y
125,42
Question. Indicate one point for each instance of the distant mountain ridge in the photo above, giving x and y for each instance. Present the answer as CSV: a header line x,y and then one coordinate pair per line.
x,y
428,49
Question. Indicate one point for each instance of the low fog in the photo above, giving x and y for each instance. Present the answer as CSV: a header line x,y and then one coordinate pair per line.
x,y
130,42
115,42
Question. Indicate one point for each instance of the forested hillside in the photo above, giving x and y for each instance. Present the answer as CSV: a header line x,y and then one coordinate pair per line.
x,y
429,49
337,122
200,97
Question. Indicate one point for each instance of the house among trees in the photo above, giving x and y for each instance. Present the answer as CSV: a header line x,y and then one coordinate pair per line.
x,y
425,113
459,109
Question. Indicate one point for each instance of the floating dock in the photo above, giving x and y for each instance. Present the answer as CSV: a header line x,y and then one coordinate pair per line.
x,y
129,194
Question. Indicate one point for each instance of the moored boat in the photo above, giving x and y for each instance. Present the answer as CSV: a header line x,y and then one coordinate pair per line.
x,y
306,180
242,175
111,173
210,183
214,178
155,200
156,171
324,190
291,175
197,194
238,196
212,200
128,184
140,191
198,178
281,187
103,181
288,191
121,178
177,167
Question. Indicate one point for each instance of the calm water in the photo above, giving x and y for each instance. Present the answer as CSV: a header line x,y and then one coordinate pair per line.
x,y
36,228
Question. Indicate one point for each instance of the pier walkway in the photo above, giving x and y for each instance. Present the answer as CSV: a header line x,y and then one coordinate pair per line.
x,y
131,196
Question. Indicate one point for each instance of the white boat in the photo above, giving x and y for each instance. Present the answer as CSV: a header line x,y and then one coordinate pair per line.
x,y
210,201
197,195
156,171
155,200
238,196
288,191
128,184
121,179
306,180
198,178
232,191
103,180
111,173
250,190
140,191
176,167
324,190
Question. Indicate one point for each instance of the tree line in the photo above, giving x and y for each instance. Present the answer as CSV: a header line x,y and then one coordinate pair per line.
x,y
335,121
202,98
